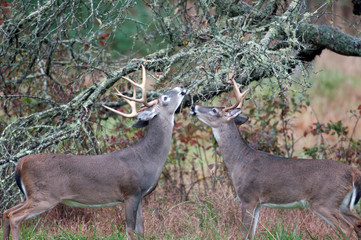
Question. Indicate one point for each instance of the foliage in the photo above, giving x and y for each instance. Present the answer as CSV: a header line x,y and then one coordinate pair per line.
x,y
347,149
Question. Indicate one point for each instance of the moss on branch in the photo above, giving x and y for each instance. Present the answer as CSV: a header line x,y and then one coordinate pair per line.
x,y
331,38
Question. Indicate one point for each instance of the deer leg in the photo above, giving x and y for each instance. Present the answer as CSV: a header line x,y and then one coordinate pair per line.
x,y
131,208
27,210
6,220
334,217
139,226
353,219
255,220
250,214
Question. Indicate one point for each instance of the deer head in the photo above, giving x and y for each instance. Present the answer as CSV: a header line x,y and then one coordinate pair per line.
x,y
216,116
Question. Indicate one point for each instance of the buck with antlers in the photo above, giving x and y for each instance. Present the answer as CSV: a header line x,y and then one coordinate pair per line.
x,y
329,188
125,176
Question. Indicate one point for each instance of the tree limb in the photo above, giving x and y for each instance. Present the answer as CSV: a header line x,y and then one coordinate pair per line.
x,y
330,38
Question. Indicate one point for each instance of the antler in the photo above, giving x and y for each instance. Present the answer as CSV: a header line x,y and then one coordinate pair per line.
x,y
134,112
239,97
143,99
133,100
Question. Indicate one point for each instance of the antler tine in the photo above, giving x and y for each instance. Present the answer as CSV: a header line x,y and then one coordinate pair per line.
x,y
132,104
143,99
242,98
239,97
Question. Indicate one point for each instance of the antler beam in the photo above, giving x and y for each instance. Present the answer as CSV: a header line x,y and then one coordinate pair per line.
x,y
133,100
239,97
142,86
132,104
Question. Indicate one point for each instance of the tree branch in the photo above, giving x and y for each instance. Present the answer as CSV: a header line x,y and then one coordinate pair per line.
x,y
319,36
330,38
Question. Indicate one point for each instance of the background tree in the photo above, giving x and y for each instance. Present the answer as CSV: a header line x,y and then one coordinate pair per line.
x,y
58,59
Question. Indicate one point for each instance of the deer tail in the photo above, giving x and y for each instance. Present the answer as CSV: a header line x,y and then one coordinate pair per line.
x,y
18,180
356,193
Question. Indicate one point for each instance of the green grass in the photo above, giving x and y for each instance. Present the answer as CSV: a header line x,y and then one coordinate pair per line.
x,y
280,232
327,83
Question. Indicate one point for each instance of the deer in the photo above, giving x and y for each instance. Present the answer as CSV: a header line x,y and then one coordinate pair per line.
x,y
87,181
327,187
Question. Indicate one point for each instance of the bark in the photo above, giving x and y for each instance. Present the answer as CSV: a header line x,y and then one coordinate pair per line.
x,y
330,38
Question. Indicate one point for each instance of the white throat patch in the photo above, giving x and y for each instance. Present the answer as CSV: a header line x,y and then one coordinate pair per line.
x,y
216,134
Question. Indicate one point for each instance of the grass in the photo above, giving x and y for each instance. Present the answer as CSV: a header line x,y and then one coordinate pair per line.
x,y
215,216
276,232
41,229
280,232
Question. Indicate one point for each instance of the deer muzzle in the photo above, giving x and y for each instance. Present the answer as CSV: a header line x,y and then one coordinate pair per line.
x,y
193,110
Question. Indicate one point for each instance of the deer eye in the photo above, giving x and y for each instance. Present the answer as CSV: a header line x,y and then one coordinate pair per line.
x,y
165,99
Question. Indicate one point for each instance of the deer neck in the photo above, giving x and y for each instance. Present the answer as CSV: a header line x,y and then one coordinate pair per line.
x,y
157,140
232,145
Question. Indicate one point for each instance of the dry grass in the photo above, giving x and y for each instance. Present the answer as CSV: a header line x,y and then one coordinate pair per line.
x,y
214,216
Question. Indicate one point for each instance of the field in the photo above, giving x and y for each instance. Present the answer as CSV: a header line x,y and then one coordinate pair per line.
x,y
210,211
215,216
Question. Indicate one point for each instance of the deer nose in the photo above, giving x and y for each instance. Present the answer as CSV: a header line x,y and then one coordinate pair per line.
x,y
183,90
193,110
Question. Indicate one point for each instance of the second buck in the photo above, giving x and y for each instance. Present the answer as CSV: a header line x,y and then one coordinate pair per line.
x,y
329,188
125,176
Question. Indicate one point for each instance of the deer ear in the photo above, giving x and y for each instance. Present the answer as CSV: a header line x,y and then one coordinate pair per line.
x,y
240,119
145,116
237,117
233,114
140,124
